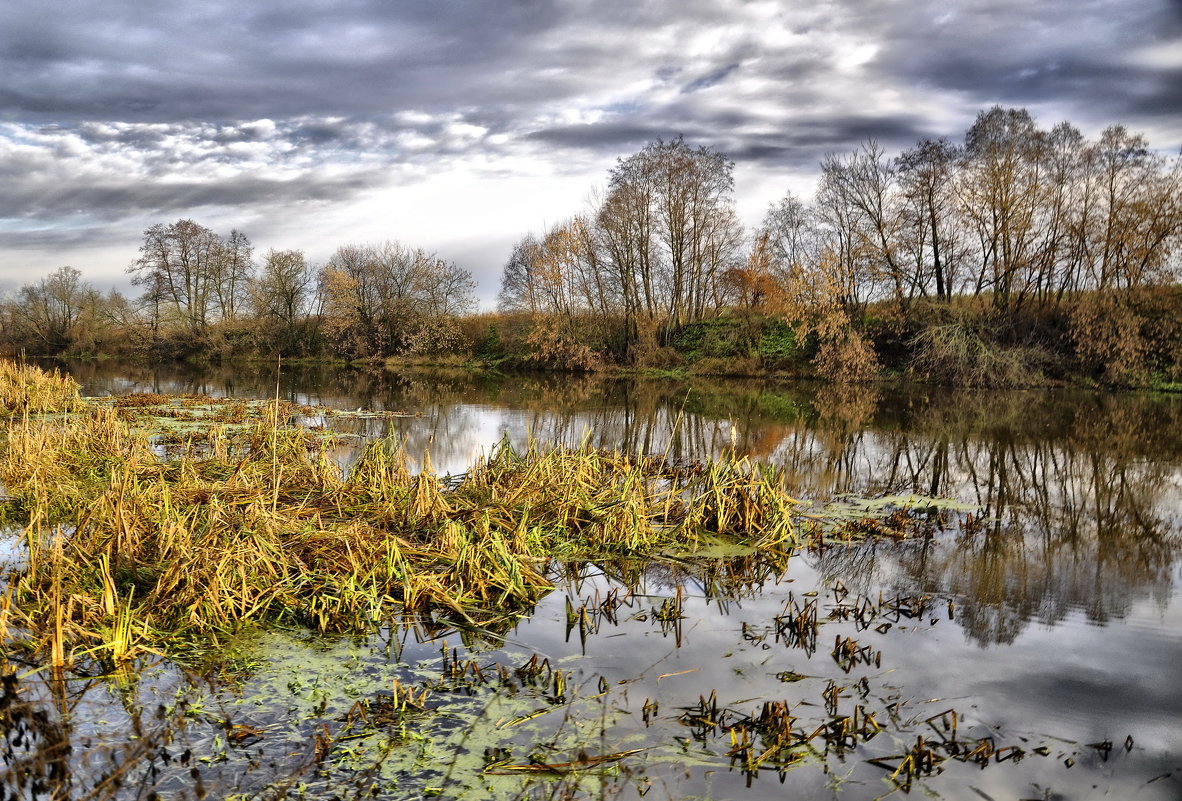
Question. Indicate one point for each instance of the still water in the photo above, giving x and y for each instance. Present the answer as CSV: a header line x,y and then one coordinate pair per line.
x,y
1046,622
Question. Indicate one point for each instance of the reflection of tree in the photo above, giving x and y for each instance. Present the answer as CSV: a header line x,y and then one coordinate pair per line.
x,y
1079,491
1079,498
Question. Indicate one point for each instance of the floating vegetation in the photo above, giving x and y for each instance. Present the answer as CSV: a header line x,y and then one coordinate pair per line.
x,y
849,518
314,606
128,554
174,423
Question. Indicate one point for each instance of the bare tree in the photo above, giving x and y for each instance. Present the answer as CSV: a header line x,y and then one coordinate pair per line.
x,y
665,233
281,296
519,291
678,206
387,298
46,312
926,174
844,237
192,270
1001,192
626,223
232,273
1139,211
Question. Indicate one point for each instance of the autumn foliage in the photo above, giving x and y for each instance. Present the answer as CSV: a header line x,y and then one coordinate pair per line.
x,y
1019,255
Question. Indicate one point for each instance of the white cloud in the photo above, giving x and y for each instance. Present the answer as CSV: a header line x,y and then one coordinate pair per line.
x,y
448,122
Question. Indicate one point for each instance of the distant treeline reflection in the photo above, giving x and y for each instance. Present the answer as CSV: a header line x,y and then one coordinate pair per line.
x,y
1079,497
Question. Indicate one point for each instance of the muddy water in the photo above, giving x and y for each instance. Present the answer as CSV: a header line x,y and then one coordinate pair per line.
x,y
1050,621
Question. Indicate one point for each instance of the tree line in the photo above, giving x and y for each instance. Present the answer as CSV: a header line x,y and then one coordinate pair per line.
x,y
206,294
1051,239
1020,218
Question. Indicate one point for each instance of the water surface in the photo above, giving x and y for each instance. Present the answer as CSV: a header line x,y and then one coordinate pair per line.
x,y
1050,620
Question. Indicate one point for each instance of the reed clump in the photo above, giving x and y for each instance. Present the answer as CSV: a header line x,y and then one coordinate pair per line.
x,y
129,553
28,389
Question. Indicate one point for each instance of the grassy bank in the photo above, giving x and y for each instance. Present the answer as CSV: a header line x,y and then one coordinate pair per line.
x,y
129,552
1119,337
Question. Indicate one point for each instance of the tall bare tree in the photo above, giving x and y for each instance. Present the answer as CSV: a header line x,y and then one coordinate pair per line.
x,y
232,273
190,272
1001,192
387,298
668,232
519,289
926,174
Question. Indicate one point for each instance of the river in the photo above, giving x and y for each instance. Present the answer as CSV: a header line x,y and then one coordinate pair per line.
x,y
1039,614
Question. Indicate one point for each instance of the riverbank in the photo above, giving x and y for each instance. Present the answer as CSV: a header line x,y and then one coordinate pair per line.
x,y
1117,339
1113,339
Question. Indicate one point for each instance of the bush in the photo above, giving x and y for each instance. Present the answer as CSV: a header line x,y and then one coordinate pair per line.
x,y
955,353
846,357
550,345
1127,336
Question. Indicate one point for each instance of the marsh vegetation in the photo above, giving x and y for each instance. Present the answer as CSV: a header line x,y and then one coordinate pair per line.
x,y
229,587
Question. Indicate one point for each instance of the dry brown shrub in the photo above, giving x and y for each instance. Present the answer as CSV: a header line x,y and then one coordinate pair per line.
x,y
1109,335
550,346
845,357
956,353
646,348
438,335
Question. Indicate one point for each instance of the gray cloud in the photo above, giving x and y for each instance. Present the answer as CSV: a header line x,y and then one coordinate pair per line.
x,y
619,137
223,61
116,110
712,78
56,238
1031,53
800,145
116,201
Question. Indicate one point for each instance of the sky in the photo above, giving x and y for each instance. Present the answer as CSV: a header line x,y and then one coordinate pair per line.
x,y
461,125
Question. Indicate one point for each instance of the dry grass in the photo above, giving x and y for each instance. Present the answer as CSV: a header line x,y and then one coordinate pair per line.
x,y
27,389
128,553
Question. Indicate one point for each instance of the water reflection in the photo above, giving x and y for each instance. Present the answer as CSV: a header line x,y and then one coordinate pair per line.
x,y
1079,492
1079,498
1046,620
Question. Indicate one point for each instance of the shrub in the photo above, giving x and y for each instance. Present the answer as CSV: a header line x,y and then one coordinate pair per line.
x,y
955,353
1128,336
846,357
549,345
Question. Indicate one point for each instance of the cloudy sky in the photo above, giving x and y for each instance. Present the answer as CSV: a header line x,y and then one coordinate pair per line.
x,y
459,125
